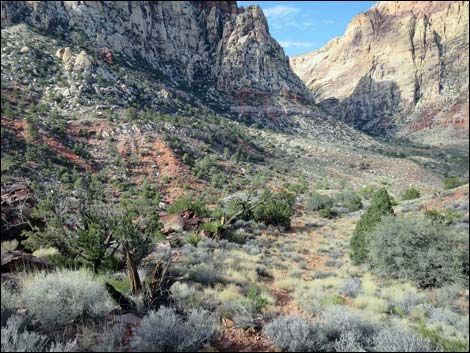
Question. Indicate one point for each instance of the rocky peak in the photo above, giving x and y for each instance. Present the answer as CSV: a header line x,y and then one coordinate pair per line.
x,y
397,60
195,43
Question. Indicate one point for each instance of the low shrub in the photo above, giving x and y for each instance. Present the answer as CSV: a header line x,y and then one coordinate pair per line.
x,y
336,324
194,239
351,287
166,331
206,273
258,301
277,209
452,182
59,298
447,216
212,228
411,194
349,200
317,202
189,202
415,249
329,213
16,338
292,334
9,303
402,340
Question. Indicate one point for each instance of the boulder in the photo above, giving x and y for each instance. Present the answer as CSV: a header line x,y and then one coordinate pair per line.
x,y
172,223
83,62
18,260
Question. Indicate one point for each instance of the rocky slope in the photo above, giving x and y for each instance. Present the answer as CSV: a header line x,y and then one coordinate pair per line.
x,y
211,49
397,67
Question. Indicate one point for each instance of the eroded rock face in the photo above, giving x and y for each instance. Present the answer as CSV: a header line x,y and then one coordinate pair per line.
x,y
396,60
198,43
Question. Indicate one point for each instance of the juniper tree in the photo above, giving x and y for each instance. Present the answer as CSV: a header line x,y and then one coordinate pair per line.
x,y
380,206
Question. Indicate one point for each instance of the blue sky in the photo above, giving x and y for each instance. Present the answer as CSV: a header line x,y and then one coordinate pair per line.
x,y
303,26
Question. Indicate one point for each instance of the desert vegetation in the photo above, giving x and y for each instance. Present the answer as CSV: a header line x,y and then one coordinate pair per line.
x,y
138,216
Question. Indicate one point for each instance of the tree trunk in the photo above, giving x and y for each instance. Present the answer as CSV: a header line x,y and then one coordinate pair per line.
x,y
136,285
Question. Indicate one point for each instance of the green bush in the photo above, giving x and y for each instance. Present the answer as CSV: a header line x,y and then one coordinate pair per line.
x,y
257,300
194,239
368,191
213,228
329,213
379,207
447,216
410,194
277,209
87,230
350,200
189,202
452,182
415,249
317,202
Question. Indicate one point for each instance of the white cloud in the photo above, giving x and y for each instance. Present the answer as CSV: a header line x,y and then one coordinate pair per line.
x,y
280,10
294,44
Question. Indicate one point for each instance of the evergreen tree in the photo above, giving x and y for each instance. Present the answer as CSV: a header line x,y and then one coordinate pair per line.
x,y
381,205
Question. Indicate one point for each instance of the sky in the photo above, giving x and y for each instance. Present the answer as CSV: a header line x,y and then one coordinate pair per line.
x,y
303,26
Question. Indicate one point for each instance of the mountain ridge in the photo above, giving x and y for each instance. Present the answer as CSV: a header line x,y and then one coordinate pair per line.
x,y
394,63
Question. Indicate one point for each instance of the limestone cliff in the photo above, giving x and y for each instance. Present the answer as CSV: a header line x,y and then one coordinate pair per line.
x,y
396,67
194,43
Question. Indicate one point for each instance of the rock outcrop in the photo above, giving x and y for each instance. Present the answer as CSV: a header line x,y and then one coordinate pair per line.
x,y
396,64
198,44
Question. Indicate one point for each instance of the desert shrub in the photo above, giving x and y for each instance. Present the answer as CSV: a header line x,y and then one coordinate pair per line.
x,y
317,202
415,249
380,206
61,297
329,213
186,297
213,228
243,316
370,303
292,334
350,200
16,338
337,323
447,216
70,346
277,209
452,182
315,299
9,303
402,298
442,339
410,194
193,239
257,300
166,331
89,230
368,192
189,202
393,339
351,287
205,273
448,329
